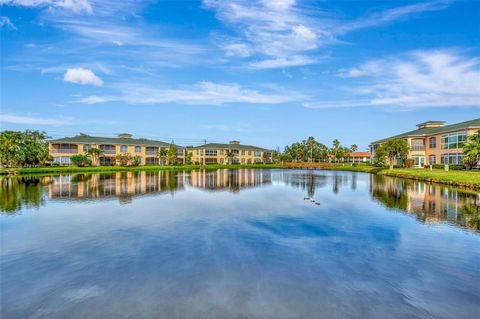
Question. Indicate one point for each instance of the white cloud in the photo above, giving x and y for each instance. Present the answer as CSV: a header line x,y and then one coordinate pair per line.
x,y
82,76
6,23
439,78
279,32
297,60
394,14
237,49
202,93
76,6
30,120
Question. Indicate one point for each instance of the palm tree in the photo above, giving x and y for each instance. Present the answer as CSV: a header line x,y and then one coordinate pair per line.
x,y
471,149
162,155
311,144
94,153
353,148
229,155
336,146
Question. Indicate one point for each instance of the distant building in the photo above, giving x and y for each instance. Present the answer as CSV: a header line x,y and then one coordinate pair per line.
x,y
144,149
233,153
433,142
358,157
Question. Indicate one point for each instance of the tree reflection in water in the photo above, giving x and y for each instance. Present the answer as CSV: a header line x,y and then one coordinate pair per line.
x,y
430,203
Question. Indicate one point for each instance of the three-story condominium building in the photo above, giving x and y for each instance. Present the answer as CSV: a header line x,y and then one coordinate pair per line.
x,y
146,151
433,142
231,153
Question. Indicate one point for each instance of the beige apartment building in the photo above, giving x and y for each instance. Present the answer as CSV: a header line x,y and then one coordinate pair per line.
x,y
231,153
145,150
433,142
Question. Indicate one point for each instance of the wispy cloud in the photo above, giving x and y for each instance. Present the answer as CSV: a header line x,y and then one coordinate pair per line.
x,y
6,23
77,6
442,78
390,15
202,93
82,76
282,33
32,120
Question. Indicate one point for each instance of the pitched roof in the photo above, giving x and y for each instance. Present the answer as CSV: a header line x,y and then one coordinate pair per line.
x,y
436,130
86,139
232,147
360,154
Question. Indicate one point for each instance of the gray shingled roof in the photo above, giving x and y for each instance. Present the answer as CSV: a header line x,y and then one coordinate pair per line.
x,y
232,146
436,130
86,139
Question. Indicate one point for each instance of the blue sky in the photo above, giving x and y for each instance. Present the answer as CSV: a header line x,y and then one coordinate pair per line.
x,y
262,72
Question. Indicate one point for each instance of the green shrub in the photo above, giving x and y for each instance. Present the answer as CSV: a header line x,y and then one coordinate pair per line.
x,y
80,160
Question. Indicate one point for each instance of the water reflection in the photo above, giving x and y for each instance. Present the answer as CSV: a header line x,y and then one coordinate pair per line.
x,y
430,203
17,193
236,244
29,192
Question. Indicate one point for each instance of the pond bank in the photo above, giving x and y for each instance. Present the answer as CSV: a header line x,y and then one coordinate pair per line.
x,y
99,169
467,179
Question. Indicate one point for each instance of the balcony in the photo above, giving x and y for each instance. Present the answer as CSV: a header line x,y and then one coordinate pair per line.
x,y
418,148
64,149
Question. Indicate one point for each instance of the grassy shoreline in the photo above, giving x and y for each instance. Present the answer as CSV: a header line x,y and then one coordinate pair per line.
x,y
466,179
99,169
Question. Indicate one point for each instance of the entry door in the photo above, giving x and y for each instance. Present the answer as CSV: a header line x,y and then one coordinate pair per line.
x,y
421,161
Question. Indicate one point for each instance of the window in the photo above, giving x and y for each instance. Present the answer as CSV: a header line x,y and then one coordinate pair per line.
x,y
65,148
151,160
432,159
151,150
123,148
62,160
221,152
210,152
243,160
454,158
453,141
107,149
243,152
138,149
86,147
221,160
432,142
257,153
250,153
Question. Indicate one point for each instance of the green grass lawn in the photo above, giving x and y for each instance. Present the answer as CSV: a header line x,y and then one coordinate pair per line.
x,y
470,179
74,169
452,177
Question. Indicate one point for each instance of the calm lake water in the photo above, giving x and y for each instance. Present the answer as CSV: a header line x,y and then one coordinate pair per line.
x,y
237,244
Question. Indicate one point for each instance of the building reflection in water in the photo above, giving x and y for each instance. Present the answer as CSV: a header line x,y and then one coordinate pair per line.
x,y
126,185
229,179
430,203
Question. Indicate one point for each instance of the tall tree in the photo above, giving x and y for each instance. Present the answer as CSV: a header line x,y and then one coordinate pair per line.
x,y
335,149
162,156
172,155
188,157
28,148
394,149
471,149
94,154
229,156
353,148
311,143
